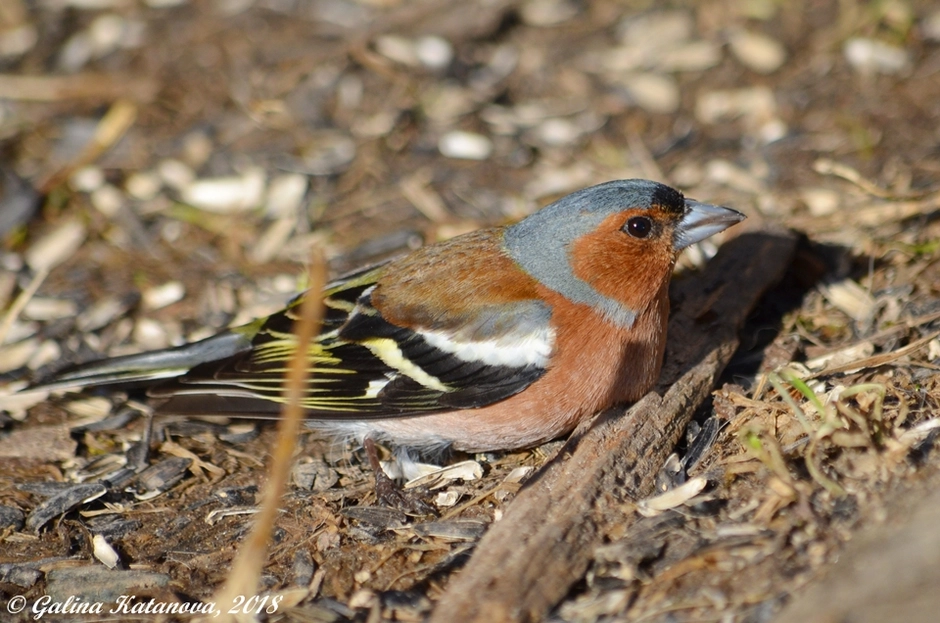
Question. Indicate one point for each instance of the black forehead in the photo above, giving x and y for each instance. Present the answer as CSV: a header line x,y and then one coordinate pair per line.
x,y
668,199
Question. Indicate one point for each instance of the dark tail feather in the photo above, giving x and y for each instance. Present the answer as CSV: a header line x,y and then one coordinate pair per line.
x,y
220,405
145,367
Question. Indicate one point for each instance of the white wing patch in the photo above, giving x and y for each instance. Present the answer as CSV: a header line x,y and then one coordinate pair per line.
x,y
513,350
375,386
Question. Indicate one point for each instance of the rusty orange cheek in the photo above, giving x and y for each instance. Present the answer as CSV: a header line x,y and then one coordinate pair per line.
x,y
623,268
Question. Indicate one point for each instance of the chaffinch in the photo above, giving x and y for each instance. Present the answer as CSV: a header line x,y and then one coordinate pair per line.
x,y
497,339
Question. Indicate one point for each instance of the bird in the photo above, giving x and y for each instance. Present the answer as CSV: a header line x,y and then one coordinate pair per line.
x,y
498,339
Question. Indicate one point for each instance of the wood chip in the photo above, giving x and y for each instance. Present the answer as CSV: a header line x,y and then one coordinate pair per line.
x,y
869,56
62,503
227,195
103,551
56,246
465,470
465,145
757,51
850,298
650,507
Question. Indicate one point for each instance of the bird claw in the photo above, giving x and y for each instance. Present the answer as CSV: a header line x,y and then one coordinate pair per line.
x,y
387,491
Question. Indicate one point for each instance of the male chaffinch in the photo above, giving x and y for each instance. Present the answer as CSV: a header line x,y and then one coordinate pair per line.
x,y
497,339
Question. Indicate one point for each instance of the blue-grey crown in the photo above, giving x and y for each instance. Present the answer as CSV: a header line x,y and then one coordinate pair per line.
x,y
539,243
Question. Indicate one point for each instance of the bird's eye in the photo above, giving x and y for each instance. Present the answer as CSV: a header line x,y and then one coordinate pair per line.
x,y
639,227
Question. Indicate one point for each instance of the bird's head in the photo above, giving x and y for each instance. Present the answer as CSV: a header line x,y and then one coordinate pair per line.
x,y
613,246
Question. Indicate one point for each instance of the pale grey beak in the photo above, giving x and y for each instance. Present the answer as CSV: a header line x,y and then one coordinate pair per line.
x,y
702,220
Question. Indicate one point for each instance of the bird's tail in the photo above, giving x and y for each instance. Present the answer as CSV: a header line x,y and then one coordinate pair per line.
x,y
147,367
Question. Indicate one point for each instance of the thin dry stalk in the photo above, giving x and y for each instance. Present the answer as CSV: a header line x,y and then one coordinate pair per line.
x,y
251,558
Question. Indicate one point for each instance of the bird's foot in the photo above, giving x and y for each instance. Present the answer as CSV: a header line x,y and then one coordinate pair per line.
x,y
387,491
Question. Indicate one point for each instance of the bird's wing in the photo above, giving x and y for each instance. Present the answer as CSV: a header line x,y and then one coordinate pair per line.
x,y
364,366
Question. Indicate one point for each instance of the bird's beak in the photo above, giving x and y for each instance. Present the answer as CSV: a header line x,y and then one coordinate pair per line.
x,y
702,220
